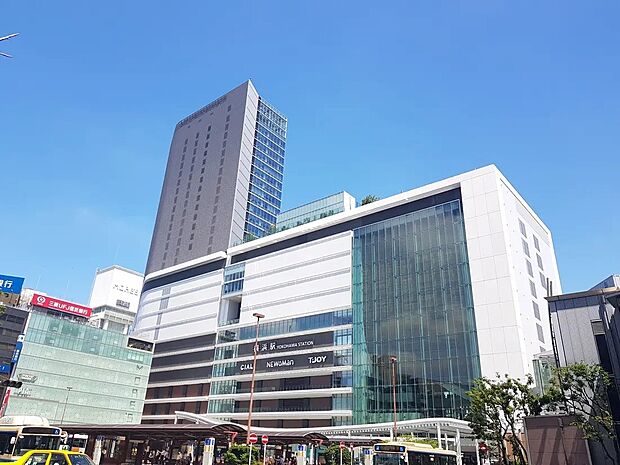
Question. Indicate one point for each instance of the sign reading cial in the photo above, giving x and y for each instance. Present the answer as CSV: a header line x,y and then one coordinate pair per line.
x,y
289,344
61,305
11,284
291,362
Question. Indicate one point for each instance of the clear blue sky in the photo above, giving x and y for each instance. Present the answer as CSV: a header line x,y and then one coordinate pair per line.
x,y
381,97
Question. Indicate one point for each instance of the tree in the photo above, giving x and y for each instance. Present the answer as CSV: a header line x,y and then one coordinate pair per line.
x,y
582,390
237,454
332,455
497,410
369,199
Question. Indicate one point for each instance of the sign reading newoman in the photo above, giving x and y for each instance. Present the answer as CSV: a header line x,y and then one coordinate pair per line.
x,y
61,305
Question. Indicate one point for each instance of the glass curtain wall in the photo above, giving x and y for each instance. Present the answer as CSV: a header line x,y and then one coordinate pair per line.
x,y
412,299
264,198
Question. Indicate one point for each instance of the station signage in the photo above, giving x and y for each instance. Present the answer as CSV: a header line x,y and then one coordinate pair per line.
x,y
289,344
286,363
61,305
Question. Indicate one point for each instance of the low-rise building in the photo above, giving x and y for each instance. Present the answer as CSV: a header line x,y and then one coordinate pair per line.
x,y
72,372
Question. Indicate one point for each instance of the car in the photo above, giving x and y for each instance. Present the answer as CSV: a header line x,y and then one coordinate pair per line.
x,y
53,457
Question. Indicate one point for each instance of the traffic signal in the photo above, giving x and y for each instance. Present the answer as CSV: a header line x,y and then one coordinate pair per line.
x,y
12,383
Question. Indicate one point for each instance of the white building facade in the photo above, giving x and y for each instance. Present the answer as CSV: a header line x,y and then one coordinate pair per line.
x,y
450,278
115,297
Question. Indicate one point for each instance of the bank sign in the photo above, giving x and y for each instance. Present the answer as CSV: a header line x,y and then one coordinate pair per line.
x,y
61,305
292,362
11,284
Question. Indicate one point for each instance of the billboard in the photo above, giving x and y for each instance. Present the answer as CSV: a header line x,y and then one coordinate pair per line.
x,y
286,363
11,284
61,305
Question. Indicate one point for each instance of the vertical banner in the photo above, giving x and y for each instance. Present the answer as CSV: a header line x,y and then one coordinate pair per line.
x,y
301,454
207,453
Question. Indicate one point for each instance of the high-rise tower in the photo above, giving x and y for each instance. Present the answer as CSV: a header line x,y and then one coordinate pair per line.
x,y
223,182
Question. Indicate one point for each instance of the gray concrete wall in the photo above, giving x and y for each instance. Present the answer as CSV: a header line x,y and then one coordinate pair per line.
x,y
203,213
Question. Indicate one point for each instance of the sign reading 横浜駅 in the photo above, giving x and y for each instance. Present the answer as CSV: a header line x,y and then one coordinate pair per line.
x,y
289,344
290,362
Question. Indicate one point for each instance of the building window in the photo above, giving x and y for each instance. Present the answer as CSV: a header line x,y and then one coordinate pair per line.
x,y
526,248
530,271
541,337
533,288
536,310
179,241
539,260
229,107
522,228
543,280
189,247
536,243
195,217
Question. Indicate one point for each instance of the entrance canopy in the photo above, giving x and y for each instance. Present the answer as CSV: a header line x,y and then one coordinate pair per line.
x,y
430,426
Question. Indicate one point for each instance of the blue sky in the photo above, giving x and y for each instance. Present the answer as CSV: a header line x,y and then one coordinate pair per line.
x,y
380,98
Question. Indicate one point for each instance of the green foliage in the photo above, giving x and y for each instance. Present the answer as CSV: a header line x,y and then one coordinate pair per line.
x,y
497,410
238,455
369,199
581,389
412,438
332,455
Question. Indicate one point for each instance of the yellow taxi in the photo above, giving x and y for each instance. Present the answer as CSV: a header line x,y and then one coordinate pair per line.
x,y
53,457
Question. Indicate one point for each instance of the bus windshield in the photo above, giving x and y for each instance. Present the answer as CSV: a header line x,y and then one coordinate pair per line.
x,y
35,441
388,459
7,441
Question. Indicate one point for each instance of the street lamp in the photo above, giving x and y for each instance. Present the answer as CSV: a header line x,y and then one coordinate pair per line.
x,y
258,316
65,407
393,361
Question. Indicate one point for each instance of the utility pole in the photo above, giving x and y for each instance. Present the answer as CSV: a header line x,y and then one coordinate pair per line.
x,y
258,316
65,407
393,361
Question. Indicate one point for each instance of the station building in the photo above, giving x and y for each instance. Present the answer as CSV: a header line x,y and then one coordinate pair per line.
x,y
450,278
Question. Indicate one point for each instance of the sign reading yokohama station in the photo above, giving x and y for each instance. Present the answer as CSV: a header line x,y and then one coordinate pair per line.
x,y
61,305
289,344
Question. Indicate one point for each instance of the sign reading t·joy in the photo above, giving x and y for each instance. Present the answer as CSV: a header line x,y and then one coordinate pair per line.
x,y
292,362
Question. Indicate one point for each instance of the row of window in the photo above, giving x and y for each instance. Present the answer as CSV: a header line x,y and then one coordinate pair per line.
x,y
292,325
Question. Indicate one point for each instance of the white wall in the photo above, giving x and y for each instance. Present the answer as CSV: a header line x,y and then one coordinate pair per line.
x,y
507,333
309,278
182,309
113,284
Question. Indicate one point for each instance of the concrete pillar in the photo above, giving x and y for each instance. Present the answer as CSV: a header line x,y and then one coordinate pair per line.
x,y
459,457
439,436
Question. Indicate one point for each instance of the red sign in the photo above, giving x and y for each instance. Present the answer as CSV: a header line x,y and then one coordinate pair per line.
x,y
252,438
342,446
264,439
61,305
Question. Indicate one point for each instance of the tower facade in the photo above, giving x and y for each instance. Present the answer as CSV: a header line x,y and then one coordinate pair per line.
x,y
223,182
